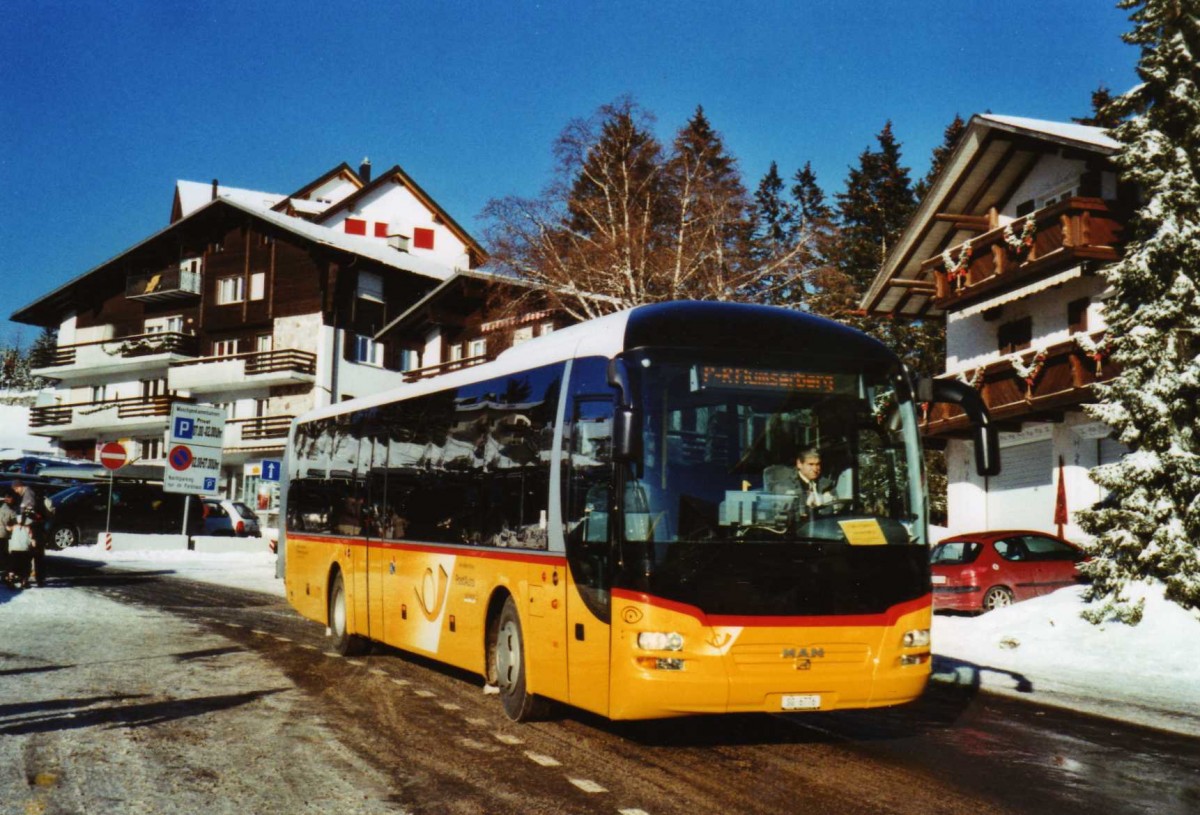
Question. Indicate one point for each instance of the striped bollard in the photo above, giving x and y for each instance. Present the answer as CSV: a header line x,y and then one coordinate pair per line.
x,y
107,541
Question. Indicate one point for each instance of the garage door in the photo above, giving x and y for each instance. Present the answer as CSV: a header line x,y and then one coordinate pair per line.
x,y
1022,496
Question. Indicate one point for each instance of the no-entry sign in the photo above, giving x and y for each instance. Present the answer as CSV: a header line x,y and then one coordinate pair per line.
x,y
112,455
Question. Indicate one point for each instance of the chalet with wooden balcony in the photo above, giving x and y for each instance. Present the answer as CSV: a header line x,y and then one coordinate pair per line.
x,y
467,320
266,305
1007,249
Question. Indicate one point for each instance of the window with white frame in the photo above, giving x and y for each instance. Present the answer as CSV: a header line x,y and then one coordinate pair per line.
x,y
477,348
231,290
99,393
258,285
456,352
164,325
367,351
151,448
522,334
545,328
263,342
370,286
224,348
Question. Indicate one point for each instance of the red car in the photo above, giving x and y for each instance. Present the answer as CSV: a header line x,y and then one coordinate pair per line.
x,y
980,571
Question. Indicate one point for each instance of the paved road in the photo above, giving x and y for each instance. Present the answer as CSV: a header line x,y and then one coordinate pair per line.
x,y
441,745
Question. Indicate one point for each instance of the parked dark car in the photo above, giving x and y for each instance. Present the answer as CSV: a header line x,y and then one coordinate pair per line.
x,y
34,465
981,571
79,513
225,517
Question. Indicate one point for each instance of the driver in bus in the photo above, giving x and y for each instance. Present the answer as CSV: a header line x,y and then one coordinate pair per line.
x,y
803,480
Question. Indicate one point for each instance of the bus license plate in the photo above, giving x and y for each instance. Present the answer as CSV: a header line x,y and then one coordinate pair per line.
x,y
938,579
796,701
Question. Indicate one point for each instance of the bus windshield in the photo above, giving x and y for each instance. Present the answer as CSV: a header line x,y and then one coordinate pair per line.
x,y
775,467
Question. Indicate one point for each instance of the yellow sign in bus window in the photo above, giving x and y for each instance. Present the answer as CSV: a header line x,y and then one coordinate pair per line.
x,y
865,532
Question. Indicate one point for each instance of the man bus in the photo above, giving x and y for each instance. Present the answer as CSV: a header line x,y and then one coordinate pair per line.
x,y
587,519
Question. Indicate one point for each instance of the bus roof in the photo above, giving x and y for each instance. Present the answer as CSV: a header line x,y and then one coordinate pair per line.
x,y
677,323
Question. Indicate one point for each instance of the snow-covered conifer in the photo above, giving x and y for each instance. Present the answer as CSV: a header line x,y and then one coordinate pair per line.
x,y
1150,525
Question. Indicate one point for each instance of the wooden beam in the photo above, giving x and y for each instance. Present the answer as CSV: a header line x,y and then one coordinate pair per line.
x,y
919,286
974,223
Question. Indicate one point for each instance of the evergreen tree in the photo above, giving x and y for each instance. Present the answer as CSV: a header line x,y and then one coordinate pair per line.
x,y
1104,112
773,217
1150,524
950,139
626,222
811,210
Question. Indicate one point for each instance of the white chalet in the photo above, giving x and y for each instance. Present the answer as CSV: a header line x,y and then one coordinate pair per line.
x,y
1006,248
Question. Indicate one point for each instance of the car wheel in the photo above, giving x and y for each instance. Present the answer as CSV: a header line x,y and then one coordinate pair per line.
x,y
344,643
63,537
997,597
508,667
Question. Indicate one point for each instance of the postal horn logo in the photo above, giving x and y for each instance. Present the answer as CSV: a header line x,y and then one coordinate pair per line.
x,y
431,607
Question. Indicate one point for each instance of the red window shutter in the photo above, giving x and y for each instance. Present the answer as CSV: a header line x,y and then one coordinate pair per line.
x,y
381,230
356,227
422,238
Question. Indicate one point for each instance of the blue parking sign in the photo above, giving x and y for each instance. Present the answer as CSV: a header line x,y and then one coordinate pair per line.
x,y
185,428
210,485
271,470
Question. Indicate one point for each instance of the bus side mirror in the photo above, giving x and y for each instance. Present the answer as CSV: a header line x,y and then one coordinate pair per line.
x,y
987,441
627,425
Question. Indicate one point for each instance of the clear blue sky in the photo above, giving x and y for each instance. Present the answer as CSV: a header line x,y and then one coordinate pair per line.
x,y
104,105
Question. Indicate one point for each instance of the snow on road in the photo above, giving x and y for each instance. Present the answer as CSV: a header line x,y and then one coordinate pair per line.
x,y
207,726
107,707
1039,649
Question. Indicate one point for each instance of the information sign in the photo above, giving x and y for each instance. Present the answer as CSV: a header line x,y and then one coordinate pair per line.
x,y
193,465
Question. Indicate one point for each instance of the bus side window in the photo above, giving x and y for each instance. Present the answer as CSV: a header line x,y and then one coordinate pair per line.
x,y
587,482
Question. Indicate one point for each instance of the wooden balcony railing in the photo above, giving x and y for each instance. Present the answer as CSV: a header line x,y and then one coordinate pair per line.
x,y
263,427
135,408
136,345
1069,232
444,367
1041,383
266,362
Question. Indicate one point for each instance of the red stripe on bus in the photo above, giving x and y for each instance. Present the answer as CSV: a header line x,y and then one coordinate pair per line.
x,y
426,548
887,617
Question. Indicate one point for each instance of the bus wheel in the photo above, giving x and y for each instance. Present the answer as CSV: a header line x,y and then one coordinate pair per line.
x,y
509,668
344,643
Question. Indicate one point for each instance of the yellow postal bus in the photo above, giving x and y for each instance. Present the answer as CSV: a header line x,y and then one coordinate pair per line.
x,y
606,517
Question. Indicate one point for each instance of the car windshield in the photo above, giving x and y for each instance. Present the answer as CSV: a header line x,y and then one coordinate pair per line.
x,y
245,511
955,552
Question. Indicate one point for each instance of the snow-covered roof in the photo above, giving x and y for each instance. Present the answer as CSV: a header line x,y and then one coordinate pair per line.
x,y
364,247
323,235
991,155
193,195
1069,131
309,207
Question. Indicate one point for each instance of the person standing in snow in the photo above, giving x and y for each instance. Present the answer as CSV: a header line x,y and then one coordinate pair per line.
x,y
19,540
29,517
8,519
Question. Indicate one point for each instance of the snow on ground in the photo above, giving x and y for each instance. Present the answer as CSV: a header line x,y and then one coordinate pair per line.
x,y
1040,649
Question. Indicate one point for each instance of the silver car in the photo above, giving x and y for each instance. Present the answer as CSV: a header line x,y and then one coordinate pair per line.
x,y
225,517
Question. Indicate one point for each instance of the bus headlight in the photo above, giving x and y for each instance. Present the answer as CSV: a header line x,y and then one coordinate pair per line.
x,y
916,638
659,641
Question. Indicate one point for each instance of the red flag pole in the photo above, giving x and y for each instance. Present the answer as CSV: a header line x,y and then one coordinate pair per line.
x,y
1060,506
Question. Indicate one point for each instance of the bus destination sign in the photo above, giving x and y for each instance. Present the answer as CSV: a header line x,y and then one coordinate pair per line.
x,y
759,379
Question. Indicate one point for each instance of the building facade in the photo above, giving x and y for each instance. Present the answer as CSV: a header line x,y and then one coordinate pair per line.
x,y
264,305
1006,248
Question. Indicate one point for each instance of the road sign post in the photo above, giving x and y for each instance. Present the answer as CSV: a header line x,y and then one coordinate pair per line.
x,y
112,456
